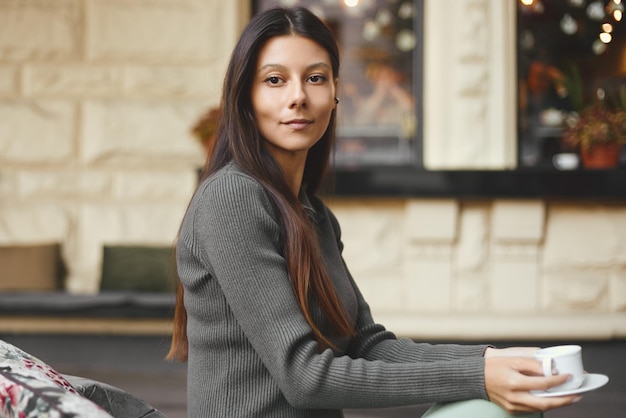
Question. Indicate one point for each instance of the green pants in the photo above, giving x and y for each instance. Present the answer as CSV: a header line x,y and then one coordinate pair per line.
x,y
476,408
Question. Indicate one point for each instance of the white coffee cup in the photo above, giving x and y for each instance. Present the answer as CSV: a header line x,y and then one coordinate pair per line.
x,y
563,359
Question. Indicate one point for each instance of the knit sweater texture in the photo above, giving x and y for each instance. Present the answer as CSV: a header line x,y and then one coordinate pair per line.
x,y
252,353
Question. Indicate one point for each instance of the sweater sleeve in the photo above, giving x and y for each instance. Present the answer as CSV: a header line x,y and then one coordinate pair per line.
x,y
235,227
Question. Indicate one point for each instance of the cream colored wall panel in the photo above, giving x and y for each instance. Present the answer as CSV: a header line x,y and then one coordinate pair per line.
x,y
155,185
467,132
141,132
472,246
579,291
489,327
151,30
470,292
8,81
431,220
64,184
39,131
384,294
32,224
515,251
514,286
518,221
72,81
428,284
8,183
469,71
618,291
371,235
585,236
131,223
168,81
48,30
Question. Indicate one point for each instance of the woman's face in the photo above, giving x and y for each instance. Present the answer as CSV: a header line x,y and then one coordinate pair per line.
x,y
293,95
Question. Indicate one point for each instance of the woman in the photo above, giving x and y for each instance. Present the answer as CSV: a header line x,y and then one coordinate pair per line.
x,y
271,322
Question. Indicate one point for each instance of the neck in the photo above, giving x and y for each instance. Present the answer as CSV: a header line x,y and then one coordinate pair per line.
x,y
293,176
293,169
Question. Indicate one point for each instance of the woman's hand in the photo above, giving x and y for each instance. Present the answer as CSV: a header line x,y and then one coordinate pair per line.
x,y
511,352
509,380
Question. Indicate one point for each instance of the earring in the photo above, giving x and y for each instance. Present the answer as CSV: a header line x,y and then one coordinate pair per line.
x,y
336,100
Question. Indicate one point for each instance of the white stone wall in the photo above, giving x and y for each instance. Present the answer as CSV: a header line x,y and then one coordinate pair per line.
x,y
469,84
96,101
504,269
97,98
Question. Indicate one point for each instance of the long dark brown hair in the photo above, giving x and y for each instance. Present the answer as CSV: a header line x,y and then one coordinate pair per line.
x,y
239,140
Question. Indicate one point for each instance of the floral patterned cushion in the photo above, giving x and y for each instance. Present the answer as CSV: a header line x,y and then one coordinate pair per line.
x,y
31,388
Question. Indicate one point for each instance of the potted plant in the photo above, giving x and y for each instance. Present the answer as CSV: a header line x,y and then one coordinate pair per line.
x,y
598,131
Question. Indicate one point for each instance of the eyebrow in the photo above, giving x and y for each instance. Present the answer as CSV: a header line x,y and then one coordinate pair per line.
x,y
282,67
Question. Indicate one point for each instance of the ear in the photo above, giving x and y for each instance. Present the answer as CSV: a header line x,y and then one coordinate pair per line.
x,y
336,82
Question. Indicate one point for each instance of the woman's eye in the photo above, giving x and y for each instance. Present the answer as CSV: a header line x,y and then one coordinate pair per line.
x,y
272,80
317,78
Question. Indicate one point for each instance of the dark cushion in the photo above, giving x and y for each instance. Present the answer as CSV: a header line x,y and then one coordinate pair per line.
x,y
138,268
112,399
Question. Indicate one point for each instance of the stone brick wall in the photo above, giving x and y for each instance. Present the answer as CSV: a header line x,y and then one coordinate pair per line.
x,y
506,269
96,101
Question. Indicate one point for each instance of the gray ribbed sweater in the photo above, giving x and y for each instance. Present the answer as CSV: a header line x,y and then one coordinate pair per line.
x,y
251,352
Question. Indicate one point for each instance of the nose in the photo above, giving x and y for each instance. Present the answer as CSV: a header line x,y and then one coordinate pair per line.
x,y
298,96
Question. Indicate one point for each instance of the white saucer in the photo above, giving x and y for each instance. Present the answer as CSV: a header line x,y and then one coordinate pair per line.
x,y
592,382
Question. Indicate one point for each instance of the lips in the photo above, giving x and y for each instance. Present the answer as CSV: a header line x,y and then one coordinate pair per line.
x,y
299,123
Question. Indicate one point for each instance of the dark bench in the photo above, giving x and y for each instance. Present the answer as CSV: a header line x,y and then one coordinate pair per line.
x,y
107,312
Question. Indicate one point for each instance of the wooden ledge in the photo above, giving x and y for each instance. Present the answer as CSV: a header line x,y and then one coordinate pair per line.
x,y
65,325
487,327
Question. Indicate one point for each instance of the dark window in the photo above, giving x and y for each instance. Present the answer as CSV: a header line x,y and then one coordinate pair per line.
x,y
571,56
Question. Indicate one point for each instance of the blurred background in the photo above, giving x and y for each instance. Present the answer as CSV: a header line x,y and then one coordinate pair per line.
x,y
467,211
